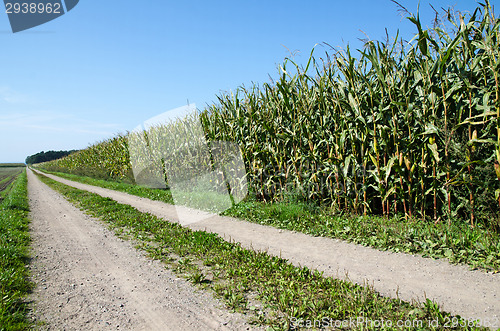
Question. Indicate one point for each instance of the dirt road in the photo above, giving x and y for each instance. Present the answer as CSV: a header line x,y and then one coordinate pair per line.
x,y
88,279
471,294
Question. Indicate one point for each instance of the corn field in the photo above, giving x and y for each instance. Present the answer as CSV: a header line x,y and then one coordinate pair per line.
x,y
108,159
397,127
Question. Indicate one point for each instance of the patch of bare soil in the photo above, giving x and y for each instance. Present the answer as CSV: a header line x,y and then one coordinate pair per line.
x,y
88,279
458,290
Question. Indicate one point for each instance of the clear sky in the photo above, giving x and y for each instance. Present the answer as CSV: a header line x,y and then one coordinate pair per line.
x,y
108,65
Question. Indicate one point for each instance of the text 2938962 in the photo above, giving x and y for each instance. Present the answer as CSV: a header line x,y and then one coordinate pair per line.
x,y
33,8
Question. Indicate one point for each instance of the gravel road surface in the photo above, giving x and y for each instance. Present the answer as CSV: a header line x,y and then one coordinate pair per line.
x,y
458,290
88,279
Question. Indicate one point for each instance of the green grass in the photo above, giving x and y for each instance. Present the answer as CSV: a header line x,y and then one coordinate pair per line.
x,y
269,289
458,242
204,200
14,256
144,192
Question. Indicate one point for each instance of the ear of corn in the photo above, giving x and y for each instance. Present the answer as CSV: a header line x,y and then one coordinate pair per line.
x,y
412,128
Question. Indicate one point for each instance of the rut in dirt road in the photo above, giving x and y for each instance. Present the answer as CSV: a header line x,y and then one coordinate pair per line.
x,y
458,290
88,279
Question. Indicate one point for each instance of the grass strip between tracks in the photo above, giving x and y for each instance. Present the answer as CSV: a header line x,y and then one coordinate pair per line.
x,y
14,256
269,289
457,242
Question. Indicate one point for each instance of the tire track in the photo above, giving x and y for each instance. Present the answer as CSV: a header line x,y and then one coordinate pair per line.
x,y
88,279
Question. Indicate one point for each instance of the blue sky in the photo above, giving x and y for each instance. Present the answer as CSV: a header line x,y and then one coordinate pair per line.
x,y
107,66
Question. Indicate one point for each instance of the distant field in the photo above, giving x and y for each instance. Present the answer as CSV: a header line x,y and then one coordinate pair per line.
x,y
9,172
11,165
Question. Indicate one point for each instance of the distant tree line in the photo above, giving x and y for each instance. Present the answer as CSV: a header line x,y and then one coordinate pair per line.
x,y
47,156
